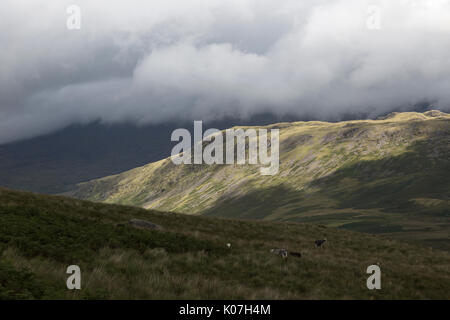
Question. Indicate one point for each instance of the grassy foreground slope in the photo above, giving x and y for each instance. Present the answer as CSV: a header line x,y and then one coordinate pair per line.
x,y
389,176
41,235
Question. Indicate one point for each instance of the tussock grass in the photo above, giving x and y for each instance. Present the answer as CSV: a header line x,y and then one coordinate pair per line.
x,y
41,235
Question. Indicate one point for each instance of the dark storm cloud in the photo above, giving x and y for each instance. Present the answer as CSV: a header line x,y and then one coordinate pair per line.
x,y
159,60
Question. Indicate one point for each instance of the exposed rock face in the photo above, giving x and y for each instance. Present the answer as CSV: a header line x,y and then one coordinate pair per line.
x,y
144,224
435,113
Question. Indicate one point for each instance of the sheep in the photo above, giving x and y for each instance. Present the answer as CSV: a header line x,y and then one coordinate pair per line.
x,y
282,252
319,243
295,254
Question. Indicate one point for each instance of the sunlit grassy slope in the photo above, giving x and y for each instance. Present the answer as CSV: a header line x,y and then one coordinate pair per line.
x,y
41,235
389,176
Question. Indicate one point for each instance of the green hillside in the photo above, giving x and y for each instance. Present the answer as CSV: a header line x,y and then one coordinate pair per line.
x,y
389,176
188,259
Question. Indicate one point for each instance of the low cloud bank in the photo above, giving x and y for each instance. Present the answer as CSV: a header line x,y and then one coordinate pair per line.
x,y
167,60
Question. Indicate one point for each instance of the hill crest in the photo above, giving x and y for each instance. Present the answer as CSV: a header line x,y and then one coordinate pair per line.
x,y
344,174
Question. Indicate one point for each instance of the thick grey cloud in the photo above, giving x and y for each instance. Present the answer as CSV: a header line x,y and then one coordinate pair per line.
x,y
163,59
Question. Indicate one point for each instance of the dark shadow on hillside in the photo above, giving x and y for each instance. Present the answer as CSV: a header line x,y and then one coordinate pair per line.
x,y
391,183
255,205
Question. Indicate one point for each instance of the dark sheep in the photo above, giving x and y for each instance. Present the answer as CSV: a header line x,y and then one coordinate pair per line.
x,y
319,243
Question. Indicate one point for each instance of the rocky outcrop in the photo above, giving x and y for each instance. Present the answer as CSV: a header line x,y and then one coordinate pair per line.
x,y
144,224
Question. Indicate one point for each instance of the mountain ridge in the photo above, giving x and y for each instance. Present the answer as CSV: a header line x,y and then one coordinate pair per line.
x,y
358,174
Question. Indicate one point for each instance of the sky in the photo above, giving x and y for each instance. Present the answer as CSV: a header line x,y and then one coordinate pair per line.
x,y
153,61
